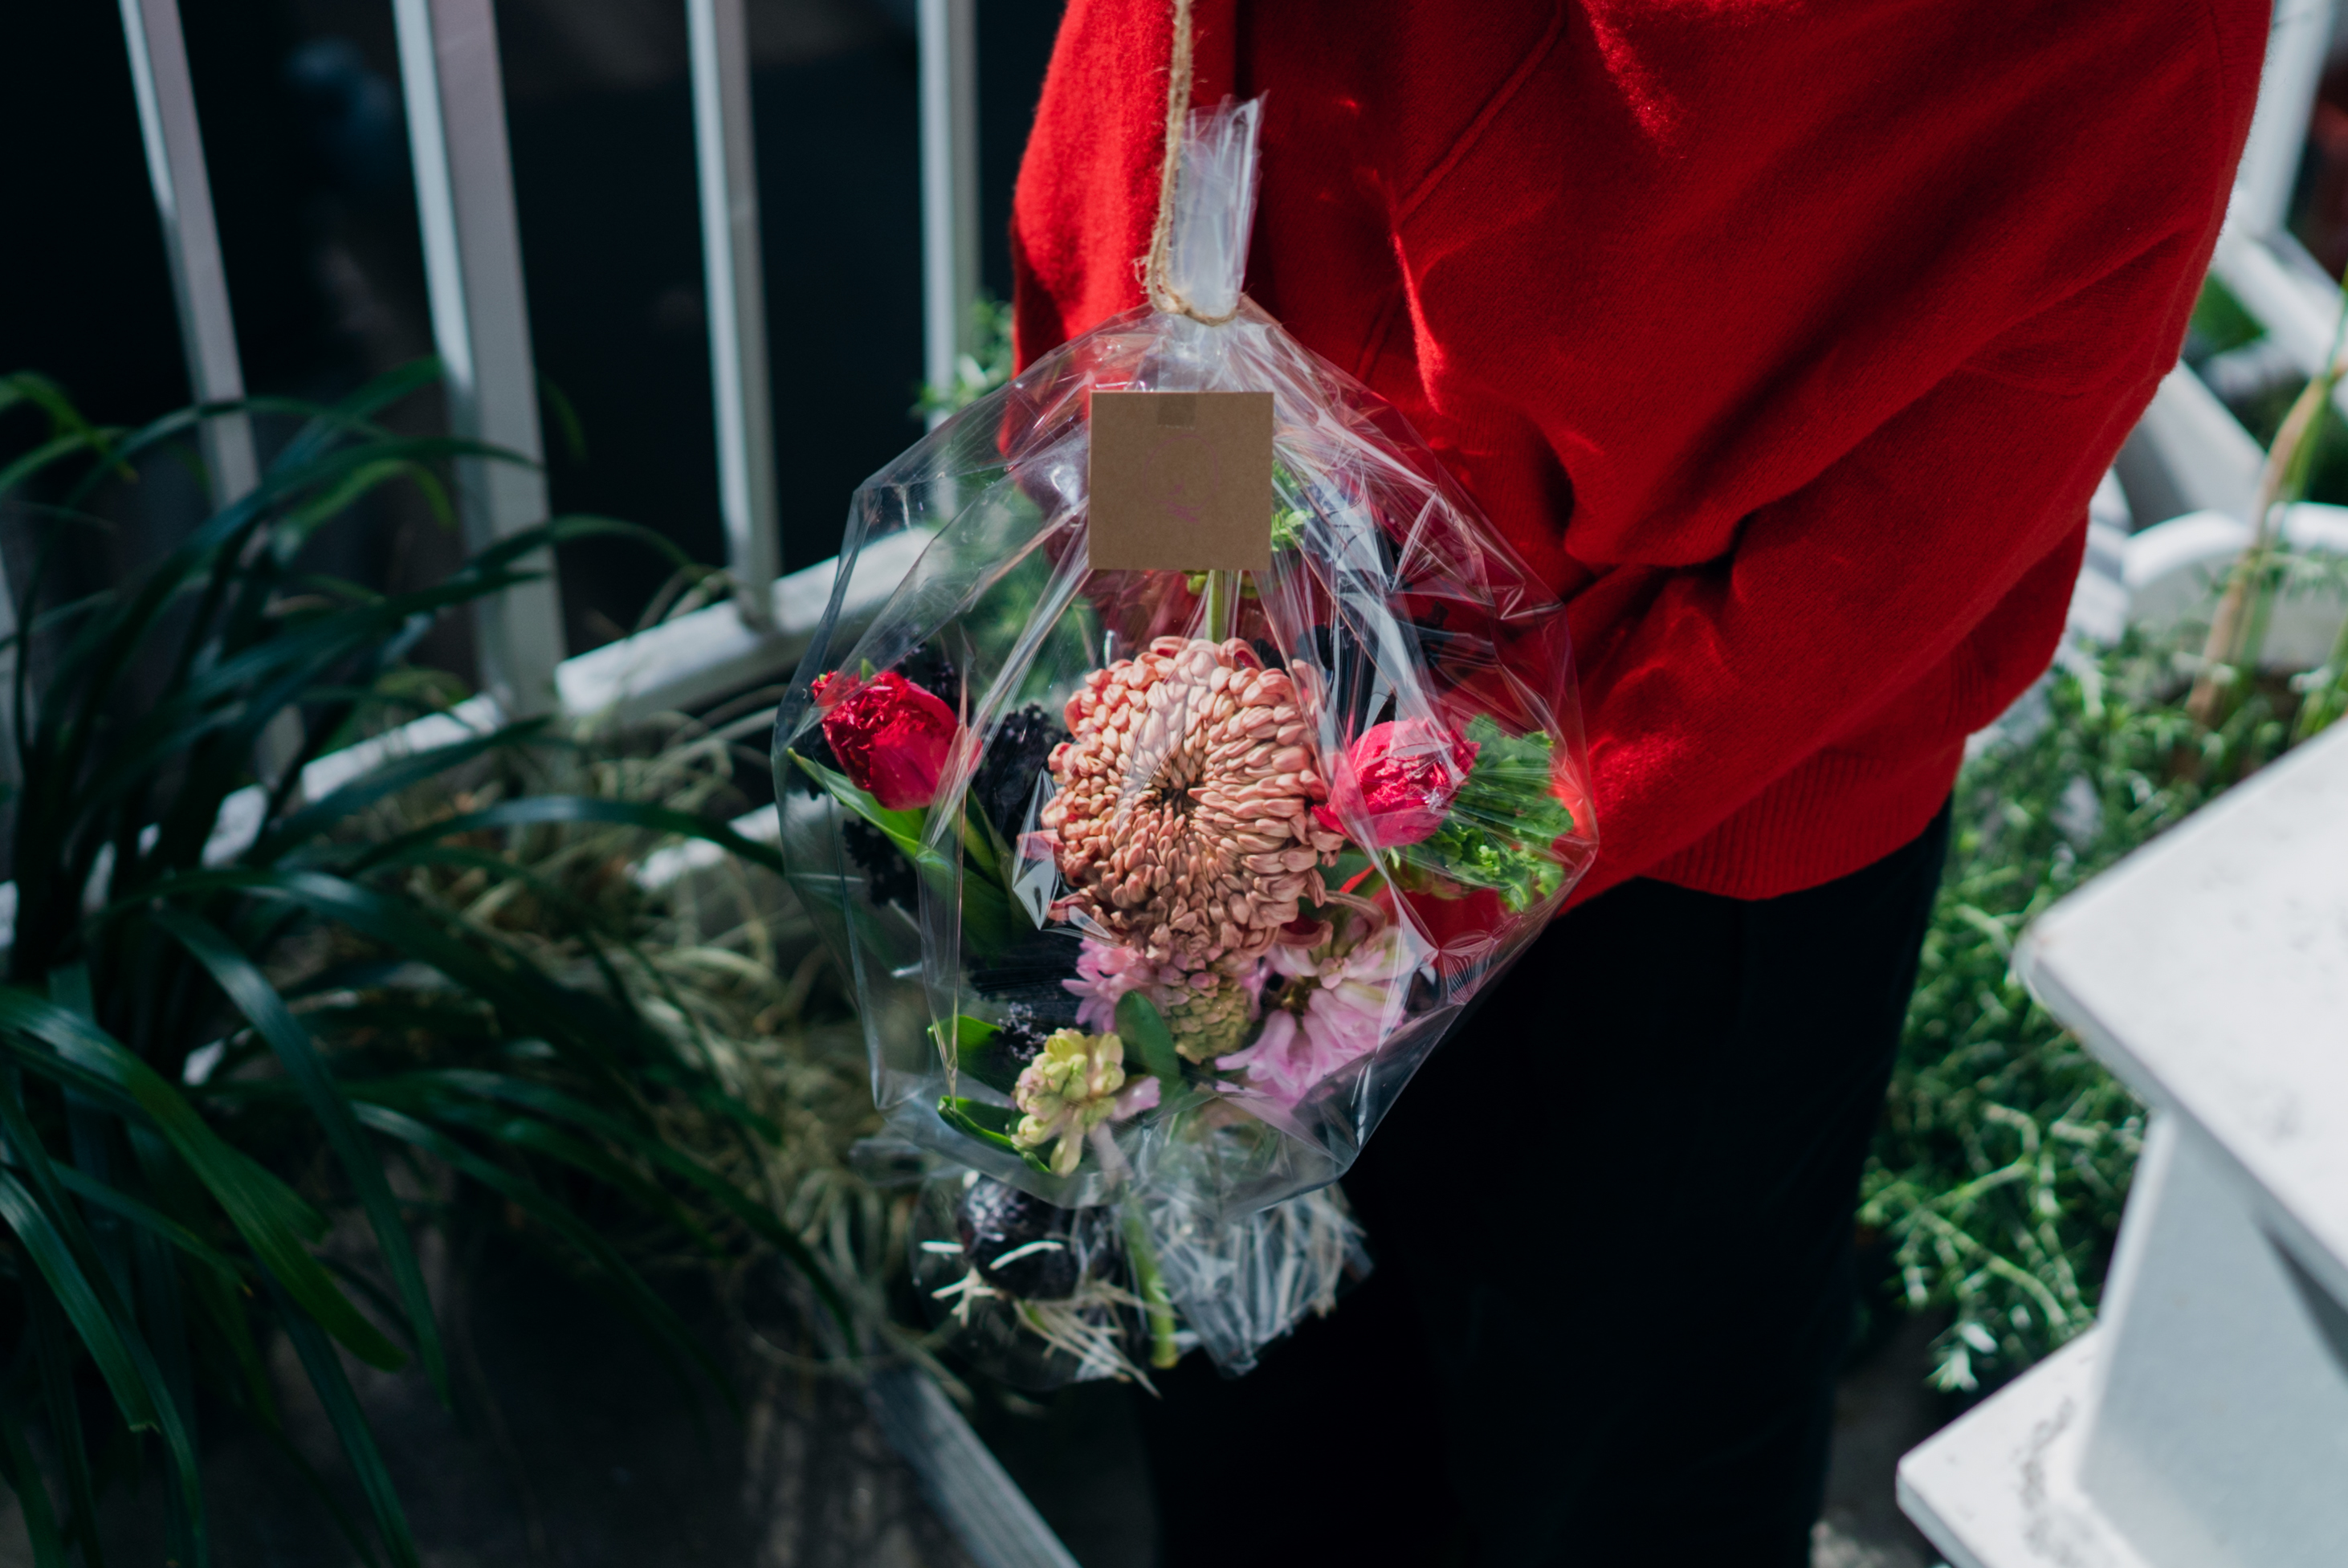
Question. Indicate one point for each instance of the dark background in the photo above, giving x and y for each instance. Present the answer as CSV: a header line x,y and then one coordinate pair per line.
x,y
306,145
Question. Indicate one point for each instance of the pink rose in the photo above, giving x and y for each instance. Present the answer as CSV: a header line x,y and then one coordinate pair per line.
x,y
1399,778
893,738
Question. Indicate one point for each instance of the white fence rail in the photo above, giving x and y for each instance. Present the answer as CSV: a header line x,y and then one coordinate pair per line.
x,y
455,99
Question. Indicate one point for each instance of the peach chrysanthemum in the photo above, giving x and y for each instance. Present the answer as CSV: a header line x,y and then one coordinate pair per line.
x,y
1183,822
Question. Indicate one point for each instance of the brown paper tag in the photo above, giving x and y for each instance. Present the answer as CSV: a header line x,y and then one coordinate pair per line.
x,y
1182,481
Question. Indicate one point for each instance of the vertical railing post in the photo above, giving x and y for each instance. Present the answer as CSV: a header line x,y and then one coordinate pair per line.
x,y
726,159
949,47
481,321
166,94
184,198
2298,40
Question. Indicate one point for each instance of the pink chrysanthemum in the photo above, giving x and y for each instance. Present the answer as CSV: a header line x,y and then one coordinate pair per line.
x,y
1328,1005
1183,821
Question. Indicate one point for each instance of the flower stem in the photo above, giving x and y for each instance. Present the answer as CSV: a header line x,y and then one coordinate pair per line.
x,y
1158,1305
1222,604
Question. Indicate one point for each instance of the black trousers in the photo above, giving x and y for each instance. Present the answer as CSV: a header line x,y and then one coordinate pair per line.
x,y
1613,1224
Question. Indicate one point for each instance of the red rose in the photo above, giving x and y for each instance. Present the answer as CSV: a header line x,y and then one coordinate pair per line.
x,y
1399,778
891,737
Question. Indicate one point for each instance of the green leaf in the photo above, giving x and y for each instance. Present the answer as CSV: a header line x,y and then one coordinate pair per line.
x,y
129,1373
666,1329
273,1222
350,1424
991,918
225,1312
31,1488
970,1033
647,1145
1502,827
51,1232
551,809
380,782
162,1309
1140,1025
529,1135
90,1190
244,985
903,828
530,1000
974,1052
55,1361
991,1125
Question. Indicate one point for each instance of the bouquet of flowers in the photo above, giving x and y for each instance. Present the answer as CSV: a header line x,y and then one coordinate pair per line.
x,y
1156,882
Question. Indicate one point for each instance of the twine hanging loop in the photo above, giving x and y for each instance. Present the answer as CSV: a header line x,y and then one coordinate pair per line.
x,y
1158,265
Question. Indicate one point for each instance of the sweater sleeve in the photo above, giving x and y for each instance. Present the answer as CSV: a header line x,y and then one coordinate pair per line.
x,y
1906,593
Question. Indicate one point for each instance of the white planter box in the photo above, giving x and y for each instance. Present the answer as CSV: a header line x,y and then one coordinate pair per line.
x,y
2205,1424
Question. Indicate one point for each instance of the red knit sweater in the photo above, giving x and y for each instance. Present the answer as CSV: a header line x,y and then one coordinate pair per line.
x,y
1788,340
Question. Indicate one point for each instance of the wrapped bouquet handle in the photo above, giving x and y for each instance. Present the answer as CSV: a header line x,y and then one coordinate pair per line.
x,y
1158,273
1155,884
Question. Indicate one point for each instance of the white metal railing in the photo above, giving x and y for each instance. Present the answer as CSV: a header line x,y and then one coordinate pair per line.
x,y
455,99
738,298
949,46
450,77
191,251
2207,460
2257,257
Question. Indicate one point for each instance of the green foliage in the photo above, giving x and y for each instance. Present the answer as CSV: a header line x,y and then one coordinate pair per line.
x,y
2220,322
985,366
2004,1155
1503,820
1140,1025
378,1019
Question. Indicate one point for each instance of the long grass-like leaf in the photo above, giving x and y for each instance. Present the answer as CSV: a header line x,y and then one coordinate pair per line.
x,y
761,1220
257,1000
273,1222
531,1136
31,1488
50,1231
162,1308
668,1330
224,1315
381,782
123,1361
532,1002
55,1360
49,455
350,1424
115,1202
557,899
44,1230
539,810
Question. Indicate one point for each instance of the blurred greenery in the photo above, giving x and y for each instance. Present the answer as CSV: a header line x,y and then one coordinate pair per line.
x,y
978,372
2220,322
